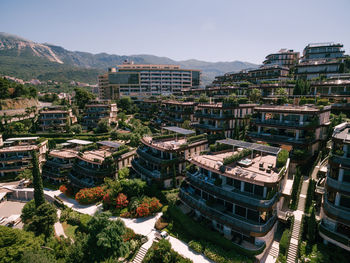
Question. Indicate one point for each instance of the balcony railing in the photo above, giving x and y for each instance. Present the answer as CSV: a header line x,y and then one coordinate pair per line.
x,y
231,220
91,171
15,167
80,182
286,123
154,159
334,235
337,211
15,157
213,116
340,159
235,194
58,164
143,171
207,127
279,138
342,186
54,174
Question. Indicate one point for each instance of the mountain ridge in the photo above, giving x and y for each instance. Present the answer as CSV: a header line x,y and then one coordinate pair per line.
x,y
58,61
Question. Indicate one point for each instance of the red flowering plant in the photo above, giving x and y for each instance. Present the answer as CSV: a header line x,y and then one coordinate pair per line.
x,y
66,189
90,195
129,235
148,206
121,201
142,210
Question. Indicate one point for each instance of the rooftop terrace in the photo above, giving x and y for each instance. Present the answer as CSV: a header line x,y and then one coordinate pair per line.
x,y
290,108
64,153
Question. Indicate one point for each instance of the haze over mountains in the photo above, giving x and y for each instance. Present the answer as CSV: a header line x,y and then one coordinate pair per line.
x,y
26,59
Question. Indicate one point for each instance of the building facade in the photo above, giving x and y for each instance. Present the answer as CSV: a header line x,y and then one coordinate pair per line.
x,y
97,111
142,81
240,198
335,212
16,154
175,113
57,119
163,159
285,58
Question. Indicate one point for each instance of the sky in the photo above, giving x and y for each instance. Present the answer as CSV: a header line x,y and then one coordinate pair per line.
x,y
210,30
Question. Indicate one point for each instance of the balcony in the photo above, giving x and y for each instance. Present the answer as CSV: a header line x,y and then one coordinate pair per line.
x,y
81,183
340,160
337,211
213,116
154,159
234,195
53,174
207,127
15,158
14,167
342,186
285,123
143,171
91,171
226,218
331,234
279,138
58,164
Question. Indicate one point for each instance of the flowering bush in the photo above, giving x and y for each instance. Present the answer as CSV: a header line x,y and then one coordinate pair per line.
x,y
129,234
90,195
121,201
66,190
148,206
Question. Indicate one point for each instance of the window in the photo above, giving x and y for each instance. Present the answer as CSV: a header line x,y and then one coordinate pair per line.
x,y
237,184
241,211
248,187
253,215
259,190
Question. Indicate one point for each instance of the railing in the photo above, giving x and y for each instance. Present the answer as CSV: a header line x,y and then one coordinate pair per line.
x,y
143,171
15,157
340,159
213,116
207,126
334,235
54,174
91,171
78,182
155,159
280,138
341,212
235,195
57,164
17,167
232,220
283,123
343,186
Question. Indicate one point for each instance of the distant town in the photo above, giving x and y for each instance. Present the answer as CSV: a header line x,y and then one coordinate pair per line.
x,y
150,164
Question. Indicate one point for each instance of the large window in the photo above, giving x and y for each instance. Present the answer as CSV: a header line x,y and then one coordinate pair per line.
x,y
123,78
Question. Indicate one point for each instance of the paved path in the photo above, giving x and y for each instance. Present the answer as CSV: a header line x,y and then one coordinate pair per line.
x,y
58,226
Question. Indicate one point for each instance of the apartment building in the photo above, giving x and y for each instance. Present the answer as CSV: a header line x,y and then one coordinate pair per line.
x,y
175,113
270,89
15,154
285,58
301,127
335,212
92,166
56,118
142,81
96,111
149,108
238,191
320,59
221,117
162,159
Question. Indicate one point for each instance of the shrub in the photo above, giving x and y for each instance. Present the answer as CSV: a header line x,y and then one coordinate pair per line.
x,y
235,157
67,190
284,242
121,201
148,206
196,246
282,158
90,195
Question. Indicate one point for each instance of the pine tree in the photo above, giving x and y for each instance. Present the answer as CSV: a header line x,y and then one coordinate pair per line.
x,y
37,181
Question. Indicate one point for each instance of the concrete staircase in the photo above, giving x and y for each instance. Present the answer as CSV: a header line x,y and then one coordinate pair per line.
x,y
140,255
274,250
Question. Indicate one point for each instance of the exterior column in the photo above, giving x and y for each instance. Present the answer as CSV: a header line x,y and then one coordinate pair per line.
x,y
315,91
216,124
301,119
209,174
171,156
220,113
233,208
281,117
345,150
297,135
265,192
242,186
341,175
223,178
259,129
161,154
329,90
337,199
263,116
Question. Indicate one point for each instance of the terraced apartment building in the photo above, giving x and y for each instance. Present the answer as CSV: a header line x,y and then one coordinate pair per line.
x,y
302,128
96,111
162,158
15,154
142,81
56,118
335,212
92,166
238,192
285,58
174,113
221,117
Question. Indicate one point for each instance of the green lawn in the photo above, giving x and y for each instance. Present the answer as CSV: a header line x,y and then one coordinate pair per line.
x,y
69,230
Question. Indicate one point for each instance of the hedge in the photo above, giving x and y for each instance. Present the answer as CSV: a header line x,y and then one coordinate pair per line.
x,y
235,157
284,242
196,246
219,147
197,138
282,158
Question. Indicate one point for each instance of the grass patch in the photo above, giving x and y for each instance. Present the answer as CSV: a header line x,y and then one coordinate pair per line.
x,y
69,230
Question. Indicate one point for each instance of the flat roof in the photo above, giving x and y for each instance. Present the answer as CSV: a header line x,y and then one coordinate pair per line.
x,y
22,138
81,142
179,130
110,144
251,146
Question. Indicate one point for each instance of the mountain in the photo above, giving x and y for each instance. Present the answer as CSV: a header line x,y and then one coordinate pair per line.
x,y
26,59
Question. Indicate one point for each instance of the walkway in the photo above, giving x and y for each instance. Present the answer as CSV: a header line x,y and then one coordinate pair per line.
x,y
292,253
58,226
273,252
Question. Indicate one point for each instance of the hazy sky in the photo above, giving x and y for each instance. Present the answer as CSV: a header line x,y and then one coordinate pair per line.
x,y
216,30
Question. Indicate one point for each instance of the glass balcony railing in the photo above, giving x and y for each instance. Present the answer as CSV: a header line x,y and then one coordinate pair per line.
x,y
342,186
334,235
234,195
228,219
337,211
145,155
207,127
91,171
279,138
282,123
82,183
143,171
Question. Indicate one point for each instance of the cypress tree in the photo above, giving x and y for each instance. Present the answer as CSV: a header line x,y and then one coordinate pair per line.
x,y
312,226
37,181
